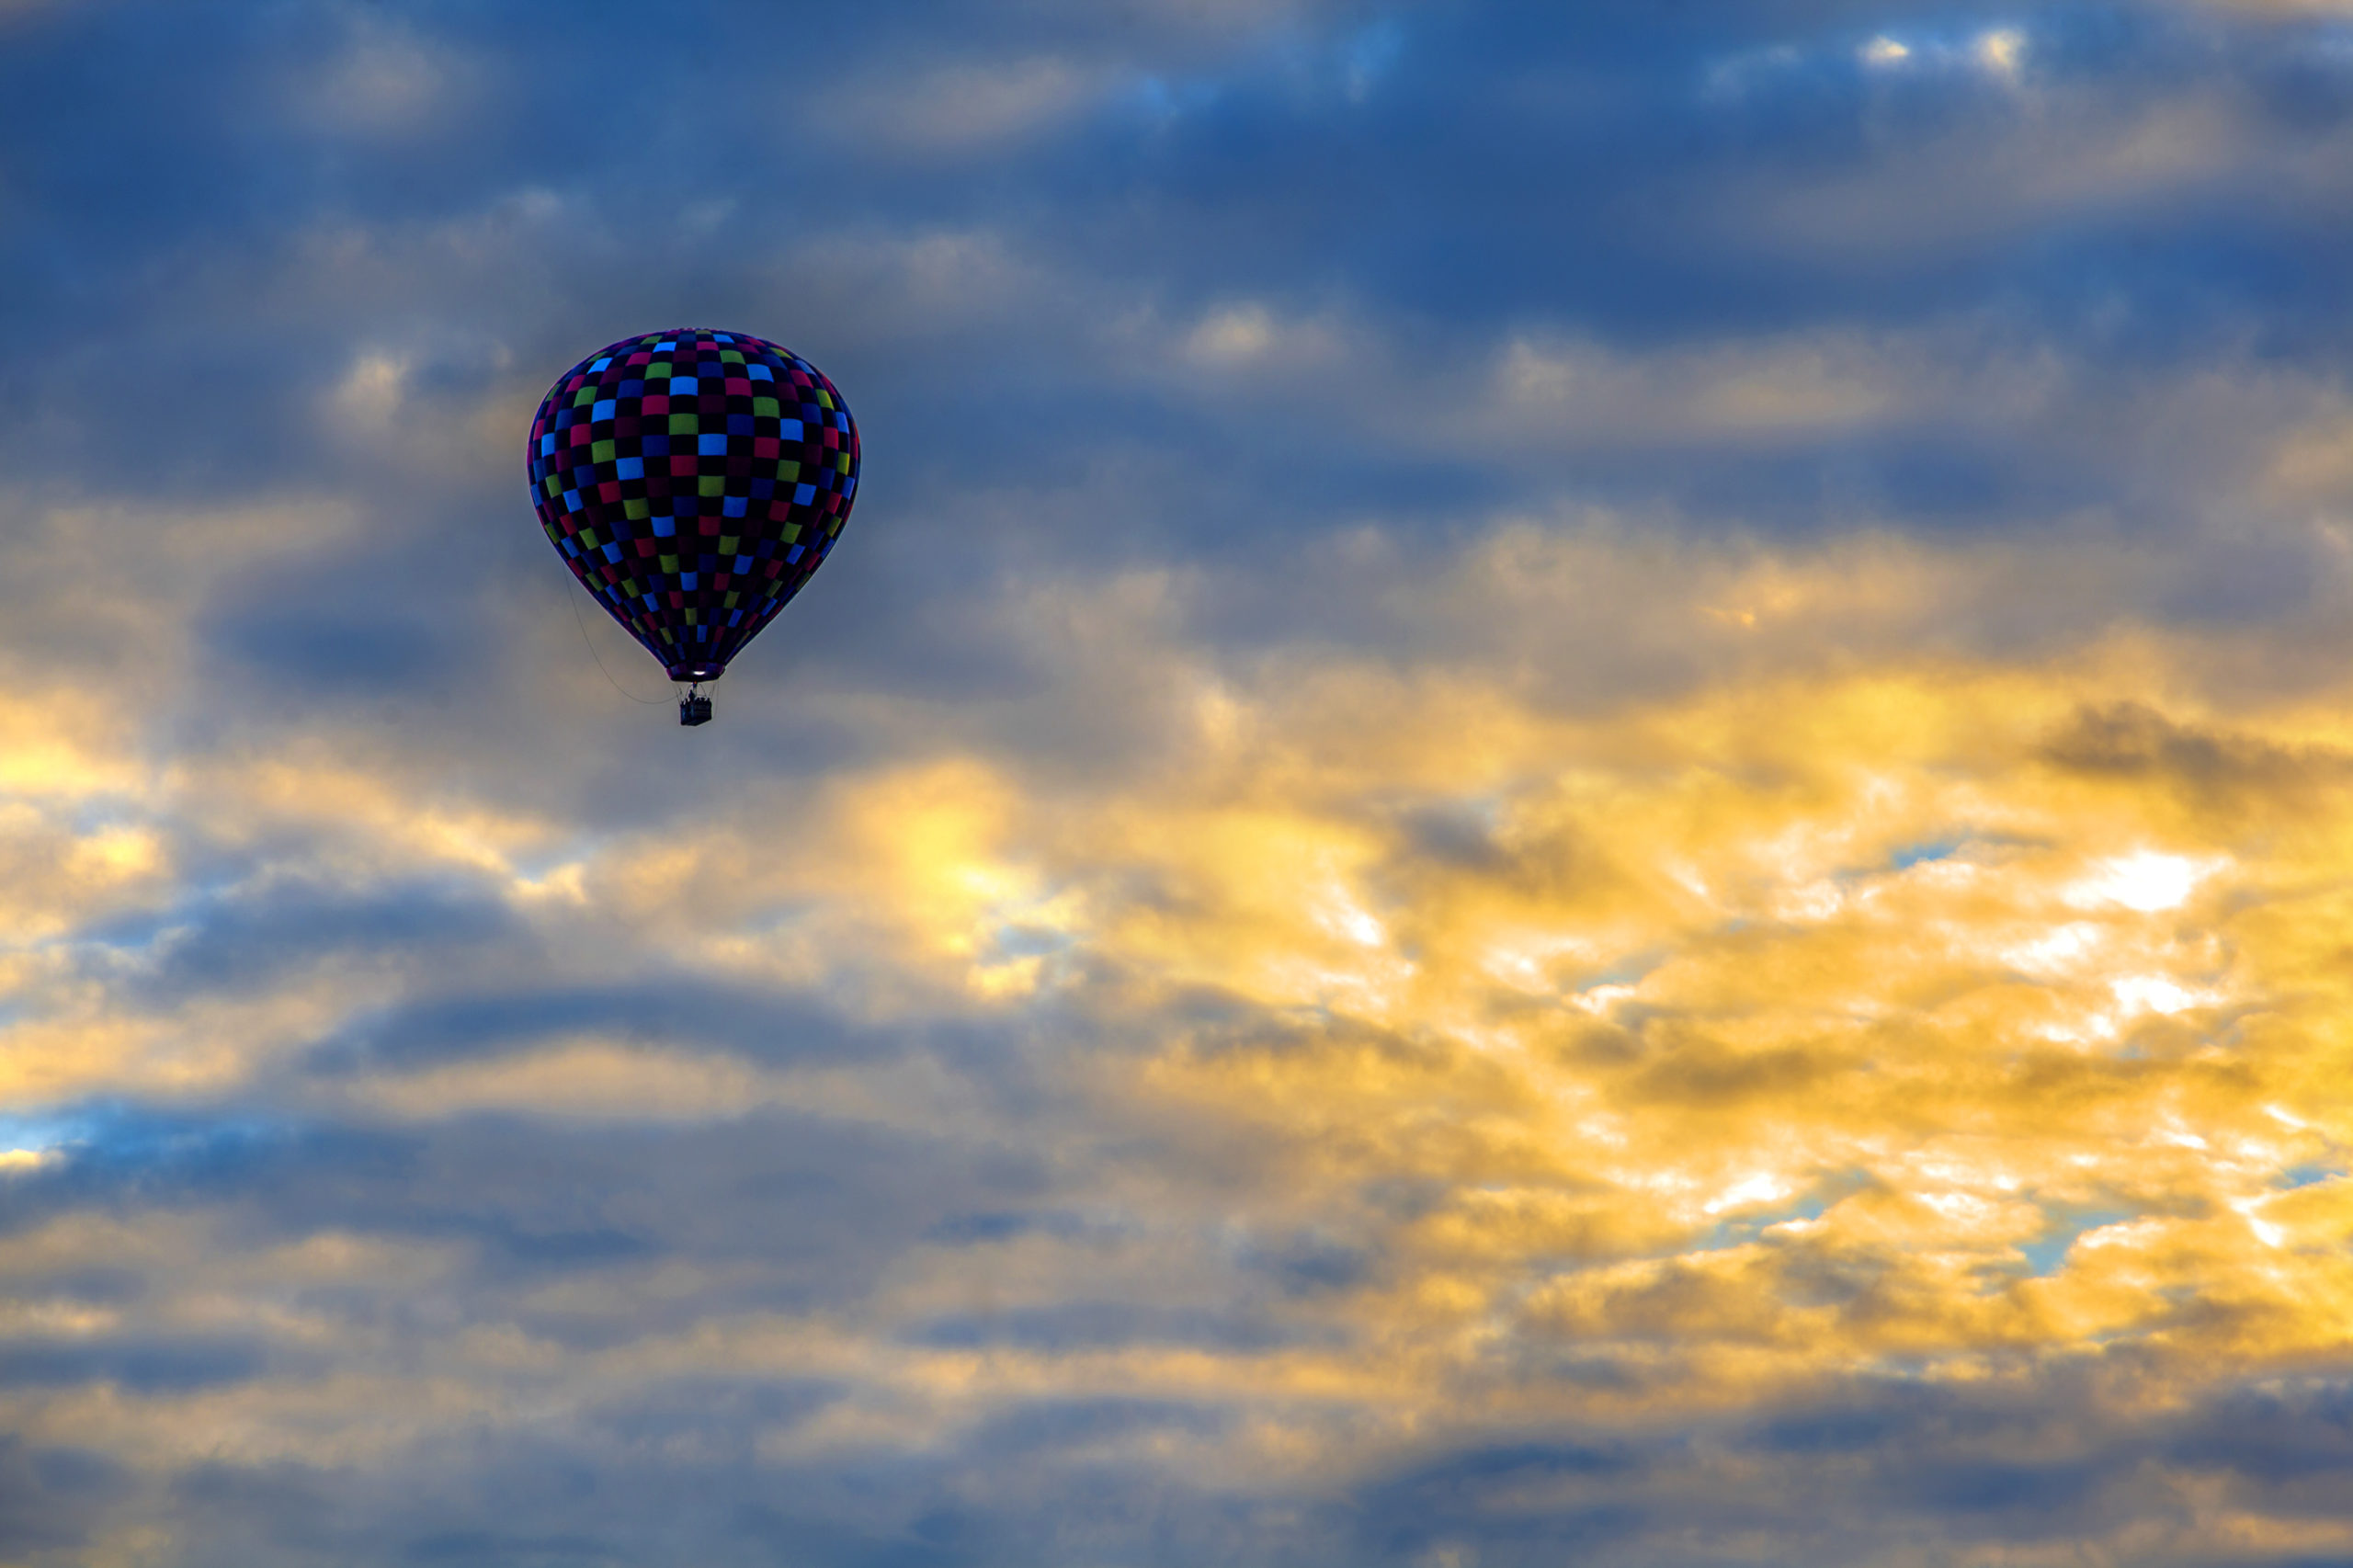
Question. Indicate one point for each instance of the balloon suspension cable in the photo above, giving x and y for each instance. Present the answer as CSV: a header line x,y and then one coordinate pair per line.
x,y
574,601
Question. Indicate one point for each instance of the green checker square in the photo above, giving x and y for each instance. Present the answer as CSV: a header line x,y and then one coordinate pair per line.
x,y
691,618
776,588
669,564
635,510
729,603
791,532
682,425
727,543
841,463
729,357
665,635
788,469
585,396
711,485
629,587
588,538
553,487
600,451
658,371
765,408
825,399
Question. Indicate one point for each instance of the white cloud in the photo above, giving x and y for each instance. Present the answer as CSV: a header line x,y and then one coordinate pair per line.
x,y
368,399
2148,881
2002,51
965,109
387,80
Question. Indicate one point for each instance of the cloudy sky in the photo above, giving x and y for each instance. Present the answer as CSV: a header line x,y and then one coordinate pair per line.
x,y
1579,790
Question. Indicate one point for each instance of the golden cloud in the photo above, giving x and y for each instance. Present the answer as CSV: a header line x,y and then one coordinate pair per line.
x,y
1833,1008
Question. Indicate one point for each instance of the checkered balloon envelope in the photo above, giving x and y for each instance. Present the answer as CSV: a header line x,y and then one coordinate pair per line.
x,y
693,481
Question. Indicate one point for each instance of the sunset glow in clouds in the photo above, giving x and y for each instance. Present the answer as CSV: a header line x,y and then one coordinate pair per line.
x,y
1579,790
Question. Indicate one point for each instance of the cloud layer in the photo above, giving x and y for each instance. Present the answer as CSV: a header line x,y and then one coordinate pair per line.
x,y
1575,790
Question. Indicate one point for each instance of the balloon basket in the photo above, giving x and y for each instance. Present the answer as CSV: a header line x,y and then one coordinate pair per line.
x,y
694,708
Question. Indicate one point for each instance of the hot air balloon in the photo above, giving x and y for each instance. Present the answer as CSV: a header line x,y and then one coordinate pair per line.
x,y
693,481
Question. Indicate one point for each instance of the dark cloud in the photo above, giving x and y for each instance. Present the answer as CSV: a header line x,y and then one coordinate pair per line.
x,y
429,184
140,1368
251,936
2208,764
682,1011
49,1496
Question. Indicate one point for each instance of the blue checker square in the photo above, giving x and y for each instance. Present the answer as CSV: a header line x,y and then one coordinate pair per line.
x,y
804,494
603,410
630,467
734,507
738,424
761,373
682,386
710,446
666,527
791,430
